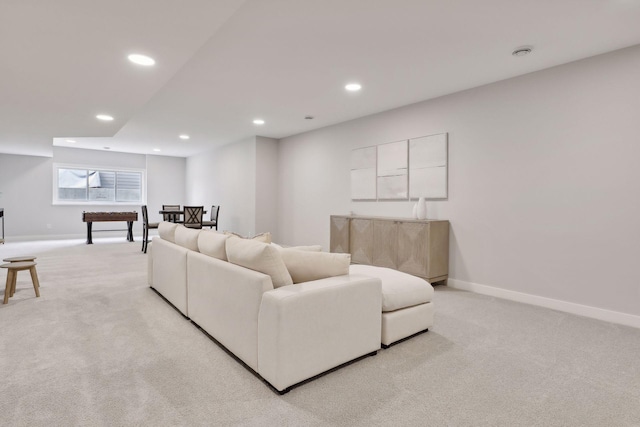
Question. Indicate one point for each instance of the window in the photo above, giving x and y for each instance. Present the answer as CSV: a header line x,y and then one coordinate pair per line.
x,y
92,185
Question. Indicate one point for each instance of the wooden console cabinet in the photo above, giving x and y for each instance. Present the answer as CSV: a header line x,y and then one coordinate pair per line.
x,y
418,247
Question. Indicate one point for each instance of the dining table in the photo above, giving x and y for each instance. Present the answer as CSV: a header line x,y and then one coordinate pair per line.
x,y
174,215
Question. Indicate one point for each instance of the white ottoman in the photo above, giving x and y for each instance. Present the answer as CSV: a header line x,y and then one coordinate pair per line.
x,y
407,307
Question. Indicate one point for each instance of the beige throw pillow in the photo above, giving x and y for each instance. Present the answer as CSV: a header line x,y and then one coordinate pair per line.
x,y
305,266
262,237
187,237
167,231
313,248
258,256
213,244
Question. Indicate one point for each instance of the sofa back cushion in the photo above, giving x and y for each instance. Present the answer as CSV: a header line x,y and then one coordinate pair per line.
x,y
258,256
213,244
305,266
187,237
167,231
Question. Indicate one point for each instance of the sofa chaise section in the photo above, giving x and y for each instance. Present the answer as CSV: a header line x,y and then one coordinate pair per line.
x,y
407,306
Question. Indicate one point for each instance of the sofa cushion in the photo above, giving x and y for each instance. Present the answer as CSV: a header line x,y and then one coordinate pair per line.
x,y
167,230
187,237
213,244
305,265
399,290
262,237
258,256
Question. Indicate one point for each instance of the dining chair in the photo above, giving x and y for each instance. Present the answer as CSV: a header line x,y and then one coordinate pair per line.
x,y
170,217
146,226
193,216
214,218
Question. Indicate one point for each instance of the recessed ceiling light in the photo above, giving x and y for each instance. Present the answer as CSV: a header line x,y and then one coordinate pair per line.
x,y
522,51
157,150
104,117
141,60
353,87
71,141
258,122
183,136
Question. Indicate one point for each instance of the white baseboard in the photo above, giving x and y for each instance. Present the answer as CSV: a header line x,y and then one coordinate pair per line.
x,y
46,237
567,307
96,234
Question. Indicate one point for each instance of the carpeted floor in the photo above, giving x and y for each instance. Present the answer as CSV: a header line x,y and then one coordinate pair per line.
x,y
100,348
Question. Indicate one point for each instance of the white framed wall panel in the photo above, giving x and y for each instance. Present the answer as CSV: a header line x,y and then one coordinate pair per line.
x,y
393,171
428,167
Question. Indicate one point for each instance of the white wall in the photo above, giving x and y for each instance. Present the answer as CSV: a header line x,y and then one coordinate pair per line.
x,y
241,177
166,183
25,183
267,186
543,181
27,186
226,176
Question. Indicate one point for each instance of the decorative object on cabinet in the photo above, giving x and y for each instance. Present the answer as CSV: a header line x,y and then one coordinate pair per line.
x,y
418,247
428,167
393,170
421,209
363,173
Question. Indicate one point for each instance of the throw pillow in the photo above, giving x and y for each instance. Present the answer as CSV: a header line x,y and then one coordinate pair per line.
x,y
258,256
313,248
305,266
262,237
167,231
213,244
187,237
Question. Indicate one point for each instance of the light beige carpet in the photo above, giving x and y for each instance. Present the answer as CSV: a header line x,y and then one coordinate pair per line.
x,y
99,348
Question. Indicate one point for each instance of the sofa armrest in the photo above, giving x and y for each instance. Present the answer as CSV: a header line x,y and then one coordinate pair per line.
x,y
169,272
150,265
309,328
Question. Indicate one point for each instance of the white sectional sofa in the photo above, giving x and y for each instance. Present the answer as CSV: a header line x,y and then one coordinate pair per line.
x,y
289,332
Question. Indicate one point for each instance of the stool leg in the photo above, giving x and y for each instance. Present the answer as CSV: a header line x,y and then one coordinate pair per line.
x,y
7,289
13,283
34,279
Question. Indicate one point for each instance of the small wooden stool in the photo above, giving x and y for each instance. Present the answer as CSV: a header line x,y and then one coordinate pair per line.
x,y
12,273
20,258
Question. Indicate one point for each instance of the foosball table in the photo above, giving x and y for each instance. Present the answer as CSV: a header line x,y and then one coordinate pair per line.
x,y
91,217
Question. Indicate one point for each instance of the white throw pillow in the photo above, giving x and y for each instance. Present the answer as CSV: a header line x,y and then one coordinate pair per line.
x,y
305,266
187,237
213,244
258,256
313,248
167,231
262,237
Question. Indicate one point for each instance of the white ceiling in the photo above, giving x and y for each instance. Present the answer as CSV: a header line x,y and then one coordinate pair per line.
x,y
222,63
